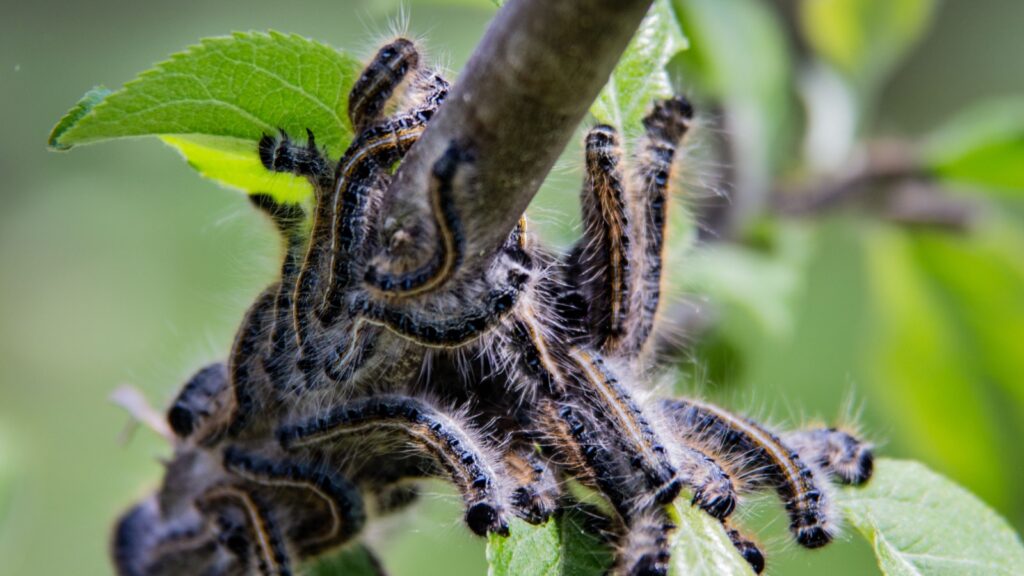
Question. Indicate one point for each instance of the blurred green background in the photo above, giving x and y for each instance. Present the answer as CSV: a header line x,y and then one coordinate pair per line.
x,y
119,265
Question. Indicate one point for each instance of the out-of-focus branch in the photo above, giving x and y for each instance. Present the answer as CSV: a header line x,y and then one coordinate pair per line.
x,y
889,182
518,101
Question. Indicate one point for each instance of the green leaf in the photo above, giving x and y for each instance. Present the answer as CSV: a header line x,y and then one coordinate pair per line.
x,y
561,547
232,161
640,76
921,523
700,546
215,100
84,106
983,146
864,39
923,376
355,560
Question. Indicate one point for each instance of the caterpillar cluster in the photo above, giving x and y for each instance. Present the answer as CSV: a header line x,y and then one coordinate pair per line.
x,y
361,371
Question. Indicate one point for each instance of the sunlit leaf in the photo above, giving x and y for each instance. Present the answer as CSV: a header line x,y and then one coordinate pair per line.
x,y
215,100
920,523
922,376
864,39
640,76
700,546
562,548
983,147
231,161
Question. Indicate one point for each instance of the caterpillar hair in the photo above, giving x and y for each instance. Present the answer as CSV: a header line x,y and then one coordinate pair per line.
x,y
713,488
839,453
536,491
203,404
272,556
603,264
579,445
645,546
375,85
719,432
665,126
595,384
451,444
448,254
337,495
747,549
249,346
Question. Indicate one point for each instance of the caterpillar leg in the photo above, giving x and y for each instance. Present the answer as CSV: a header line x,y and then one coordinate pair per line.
x,y
747,549
281,154
452,445
762,459
644,549
593,385
713,489
536,491
847,459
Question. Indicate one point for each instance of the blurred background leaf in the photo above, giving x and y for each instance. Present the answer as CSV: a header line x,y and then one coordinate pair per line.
x,y
6,477
739,58
763,282
865,39
982,146
355,560
925,378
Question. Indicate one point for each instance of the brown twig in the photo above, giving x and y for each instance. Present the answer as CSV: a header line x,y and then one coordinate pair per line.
x,y
518,101
890,182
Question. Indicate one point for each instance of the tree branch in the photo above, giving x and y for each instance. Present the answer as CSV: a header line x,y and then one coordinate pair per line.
x,y
891,183
518,101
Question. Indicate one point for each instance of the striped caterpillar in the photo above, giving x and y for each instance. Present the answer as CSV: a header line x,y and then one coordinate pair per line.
x,y
325,414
